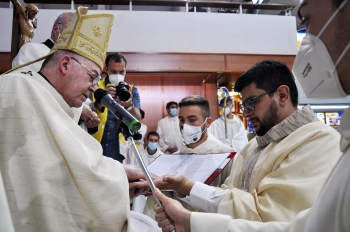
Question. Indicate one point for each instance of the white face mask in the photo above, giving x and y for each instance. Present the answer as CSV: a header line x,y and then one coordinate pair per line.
x,y
192,134
314,68
116,78
228,110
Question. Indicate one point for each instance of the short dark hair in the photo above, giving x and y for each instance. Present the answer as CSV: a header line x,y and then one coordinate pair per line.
x,y
171,103
196,100
229,99
269,75
117,57
152,133
142,114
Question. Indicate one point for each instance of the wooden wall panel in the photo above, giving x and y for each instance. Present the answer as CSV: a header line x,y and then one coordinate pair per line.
x,y
183,62
175,62
150,89
157,89
5,61
210,93
241,63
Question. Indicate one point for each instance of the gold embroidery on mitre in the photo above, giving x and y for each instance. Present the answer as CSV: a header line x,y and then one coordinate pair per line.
x,y
91,49
61,39
97,31
91,41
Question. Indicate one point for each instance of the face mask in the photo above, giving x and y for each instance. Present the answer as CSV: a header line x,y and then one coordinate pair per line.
x,y
173,112
116,78
192,134
228,110
152,146
314,68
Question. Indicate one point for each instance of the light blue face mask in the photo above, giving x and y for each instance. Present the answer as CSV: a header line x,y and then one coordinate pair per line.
x,y
152,146
173,112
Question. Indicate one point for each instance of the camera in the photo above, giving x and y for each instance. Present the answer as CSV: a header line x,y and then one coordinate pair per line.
x,y
122,90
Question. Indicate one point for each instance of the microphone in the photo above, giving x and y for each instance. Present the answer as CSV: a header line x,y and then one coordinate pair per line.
x,y
104,98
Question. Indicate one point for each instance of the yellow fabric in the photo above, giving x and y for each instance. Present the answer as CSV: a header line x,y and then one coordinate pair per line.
x,y
104,115
87,35
55,176
287,176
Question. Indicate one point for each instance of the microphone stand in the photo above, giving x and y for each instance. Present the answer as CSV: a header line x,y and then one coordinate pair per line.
x,y
129,136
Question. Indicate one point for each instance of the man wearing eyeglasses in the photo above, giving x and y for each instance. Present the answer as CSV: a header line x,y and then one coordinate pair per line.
x,y
324,53
55,176
281,171
32,51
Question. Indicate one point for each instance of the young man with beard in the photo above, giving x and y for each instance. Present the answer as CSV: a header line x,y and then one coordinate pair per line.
x,y
327,22
281,171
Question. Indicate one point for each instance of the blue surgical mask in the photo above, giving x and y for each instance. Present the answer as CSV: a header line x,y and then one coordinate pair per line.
x,y
152,146
173,112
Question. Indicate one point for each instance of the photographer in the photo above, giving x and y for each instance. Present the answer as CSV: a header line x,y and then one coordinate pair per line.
x,y
126,95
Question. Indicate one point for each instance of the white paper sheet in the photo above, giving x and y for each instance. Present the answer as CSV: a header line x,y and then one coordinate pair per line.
x,y
197,167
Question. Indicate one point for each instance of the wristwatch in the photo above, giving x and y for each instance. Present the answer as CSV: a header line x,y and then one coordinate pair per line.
x,y
130,107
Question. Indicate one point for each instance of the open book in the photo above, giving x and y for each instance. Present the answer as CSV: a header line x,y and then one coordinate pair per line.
x,y
196,167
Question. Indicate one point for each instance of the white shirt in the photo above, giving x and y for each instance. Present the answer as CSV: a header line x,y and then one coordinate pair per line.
x,y
169,133
147,158
236,133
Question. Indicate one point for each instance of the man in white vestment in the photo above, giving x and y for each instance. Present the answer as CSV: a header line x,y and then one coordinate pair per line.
x,y
194,116
195,120
279,173
152,151
54,173
236,134
33,51
168,129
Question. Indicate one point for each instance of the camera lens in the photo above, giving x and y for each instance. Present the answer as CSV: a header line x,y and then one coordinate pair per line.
x,y
123,95
123,91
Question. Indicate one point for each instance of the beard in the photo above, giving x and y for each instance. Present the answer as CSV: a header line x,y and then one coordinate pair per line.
x,y
269,120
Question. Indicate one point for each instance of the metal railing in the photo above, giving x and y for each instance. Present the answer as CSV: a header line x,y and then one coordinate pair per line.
x,y
240,6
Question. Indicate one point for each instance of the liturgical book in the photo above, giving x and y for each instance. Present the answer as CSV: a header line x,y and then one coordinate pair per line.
x,y
196,167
